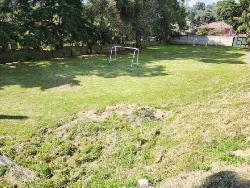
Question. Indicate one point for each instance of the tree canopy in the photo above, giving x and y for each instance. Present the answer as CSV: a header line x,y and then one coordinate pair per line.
x,y
53,24
237,14
201,14
37,24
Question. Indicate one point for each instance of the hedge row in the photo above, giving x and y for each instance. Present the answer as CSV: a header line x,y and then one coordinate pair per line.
x,y
36,55
30,55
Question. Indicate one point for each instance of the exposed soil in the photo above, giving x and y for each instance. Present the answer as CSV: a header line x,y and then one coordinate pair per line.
x,y
130,113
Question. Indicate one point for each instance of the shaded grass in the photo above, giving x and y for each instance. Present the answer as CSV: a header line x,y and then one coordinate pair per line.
x,y
207,89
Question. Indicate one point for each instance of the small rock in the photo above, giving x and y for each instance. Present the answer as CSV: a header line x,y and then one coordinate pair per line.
x,y
248,139
232,134
161,115
160,157
241,153
16,174
142,183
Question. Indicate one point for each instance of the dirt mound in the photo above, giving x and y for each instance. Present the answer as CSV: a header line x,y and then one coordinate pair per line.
x,y
223,177
74,149
125,143
127,112
130,112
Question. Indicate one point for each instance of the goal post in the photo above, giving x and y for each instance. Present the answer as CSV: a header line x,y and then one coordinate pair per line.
x,y
136,53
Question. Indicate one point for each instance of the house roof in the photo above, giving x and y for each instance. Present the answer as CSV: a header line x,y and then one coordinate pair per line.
x,y
219,25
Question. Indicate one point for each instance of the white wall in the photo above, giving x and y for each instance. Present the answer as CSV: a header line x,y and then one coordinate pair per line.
x,y
202,40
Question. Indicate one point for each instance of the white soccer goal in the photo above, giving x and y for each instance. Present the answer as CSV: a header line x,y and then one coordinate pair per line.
x,y
136,53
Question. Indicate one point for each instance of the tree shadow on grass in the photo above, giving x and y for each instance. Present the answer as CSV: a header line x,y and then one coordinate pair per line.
x,y
14,117
54,73
225,179
210,54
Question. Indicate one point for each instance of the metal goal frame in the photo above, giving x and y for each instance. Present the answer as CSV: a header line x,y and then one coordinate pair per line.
x,y
135,54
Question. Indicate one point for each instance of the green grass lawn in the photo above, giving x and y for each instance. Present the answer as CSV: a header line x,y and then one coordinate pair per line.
x,y
207,91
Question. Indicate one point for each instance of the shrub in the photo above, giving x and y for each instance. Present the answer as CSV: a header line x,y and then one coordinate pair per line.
x,y
77,51
3,170
203,31
36,55
242,29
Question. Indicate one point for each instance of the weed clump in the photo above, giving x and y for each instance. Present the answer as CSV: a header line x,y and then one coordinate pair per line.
x,y
92,153
3,170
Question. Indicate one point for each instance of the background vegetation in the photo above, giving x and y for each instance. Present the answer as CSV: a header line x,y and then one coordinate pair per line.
x,y
32,24
234,13
51,25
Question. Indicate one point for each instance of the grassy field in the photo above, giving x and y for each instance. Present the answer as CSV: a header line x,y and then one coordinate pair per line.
x,y
206,90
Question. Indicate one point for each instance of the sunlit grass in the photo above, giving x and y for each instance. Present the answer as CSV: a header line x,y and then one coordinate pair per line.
x,y
206,88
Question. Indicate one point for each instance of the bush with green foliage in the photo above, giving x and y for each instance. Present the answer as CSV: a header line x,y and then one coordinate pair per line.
x,y
31,55
203,31
3,170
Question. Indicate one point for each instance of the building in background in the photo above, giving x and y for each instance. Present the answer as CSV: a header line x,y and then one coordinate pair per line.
x,y
219,28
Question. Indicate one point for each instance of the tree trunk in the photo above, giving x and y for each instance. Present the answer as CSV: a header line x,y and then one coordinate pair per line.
x,y
59,45
89,48
138,41
167,38
5,47
103,43
59,34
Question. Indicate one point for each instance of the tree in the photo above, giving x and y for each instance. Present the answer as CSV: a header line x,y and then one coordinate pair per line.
x,y
155,17
227,10
134,12
170,16
199,7
244,19
210,13
63,19
235,14
38,24
201,14
8,29
104,18
49,22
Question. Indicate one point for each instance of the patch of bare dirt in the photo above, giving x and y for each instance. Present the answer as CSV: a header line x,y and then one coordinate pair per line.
x,y
222,176
132,113
88,56
128,112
